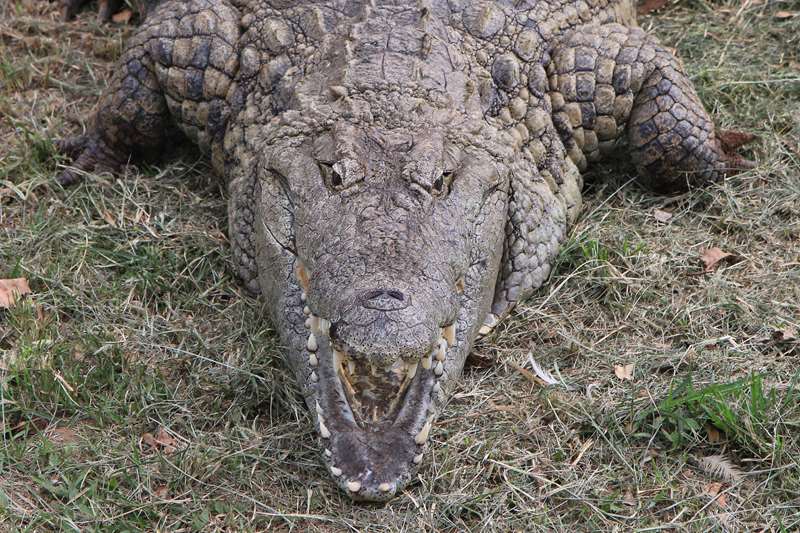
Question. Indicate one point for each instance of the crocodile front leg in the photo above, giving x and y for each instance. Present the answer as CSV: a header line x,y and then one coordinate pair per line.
x,y
609,81
174,74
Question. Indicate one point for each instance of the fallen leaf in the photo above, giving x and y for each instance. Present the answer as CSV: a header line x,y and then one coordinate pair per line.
x,y
785,334
109,218
713,434
161,491
11,290
629,499
733,139
713,488
662,216
62,435
543,374
624,372
648,6
122,17
712,256
162,441
785,14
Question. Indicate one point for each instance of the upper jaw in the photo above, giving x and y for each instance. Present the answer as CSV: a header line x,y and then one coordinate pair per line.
x,y
372,457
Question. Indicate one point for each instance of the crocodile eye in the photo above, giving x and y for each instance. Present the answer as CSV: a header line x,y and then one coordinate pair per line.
x,y
330,175
441,184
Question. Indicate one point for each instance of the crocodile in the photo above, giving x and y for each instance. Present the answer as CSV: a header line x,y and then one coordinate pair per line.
x,y
400,174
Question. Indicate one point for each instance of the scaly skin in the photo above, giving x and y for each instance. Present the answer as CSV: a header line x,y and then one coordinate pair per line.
x,y
400,174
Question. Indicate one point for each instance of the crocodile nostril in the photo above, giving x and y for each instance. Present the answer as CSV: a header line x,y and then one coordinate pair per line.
x,y
384,299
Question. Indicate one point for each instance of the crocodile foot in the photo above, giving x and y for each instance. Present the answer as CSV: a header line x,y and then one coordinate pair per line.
x,y
89,153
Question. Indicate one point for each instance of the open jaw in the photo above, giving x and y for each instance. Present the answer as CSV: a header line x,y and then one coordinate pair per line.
x,y
373,421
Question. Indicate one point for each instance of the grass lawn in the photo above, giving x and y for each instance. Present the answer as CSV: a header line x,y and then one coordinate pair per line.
x,y
141,389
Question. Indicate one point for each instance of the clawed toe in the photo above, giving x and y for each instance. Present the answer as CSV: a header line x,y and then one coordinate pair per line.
x,y
89,154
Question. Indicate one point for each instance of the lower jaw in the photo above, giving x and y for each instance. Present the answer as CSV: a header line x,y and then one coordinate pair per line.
x,y
370,461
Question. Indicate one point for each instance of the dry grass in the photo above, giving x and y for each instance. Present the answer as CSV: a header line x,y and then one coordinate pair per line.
x,y
137,323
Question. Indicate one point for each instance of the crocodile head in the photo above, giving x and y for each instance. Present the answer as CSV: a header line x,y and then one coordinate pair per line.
x,y
391,243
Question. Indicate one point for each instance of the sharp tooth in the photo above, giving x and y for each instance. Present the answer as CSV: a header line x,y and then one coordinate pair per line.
x,y
490,320
336,471
441,351
351,367
314,377
417,459
327,452
354,486
303,296
411,370
484,330
439,368
460,284
312,343
323,429
318,407
437,387
449,334
308,322
422,436
338,358
324,325
384,487
312,359
306,310
427,361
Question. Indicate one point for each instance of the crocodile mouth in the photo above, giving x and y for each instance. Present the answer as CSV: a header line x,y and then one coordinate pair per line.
x,y
373,420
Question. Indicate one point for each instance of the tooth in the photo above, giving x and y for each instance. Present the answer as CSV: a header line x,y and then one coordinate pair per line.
x,y
318,407
417,459
354,486
338,357
411,370
303,296
450,334
441,351
437,387
427,361
384,487
324,325
327,452
438,369
306,310
312,343
336,471
323,430
490,320
422,436
460,284
312,359
484,330
308,322
351,367
314,377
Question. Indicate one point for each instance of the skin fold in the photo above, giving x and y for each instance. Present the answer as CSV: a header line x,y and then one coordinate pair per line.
x,y
400,175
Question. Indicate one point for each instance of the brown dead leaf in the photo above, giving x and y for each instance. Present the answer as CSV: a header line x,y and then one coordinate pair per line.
x,y
713,434
785,334
713,489
662,216
11,290
783,15
161,491
122,17
712,256
109,218
624,372
161,441
629,499
62,435
648,6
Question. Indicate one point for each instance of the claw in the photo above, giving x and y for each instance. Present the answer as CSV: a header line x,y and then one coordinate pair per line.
x,y
89,154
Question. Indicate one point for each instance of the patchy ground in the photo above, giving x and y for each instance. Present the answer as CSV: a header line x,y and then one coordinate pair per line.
x,y
139,388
